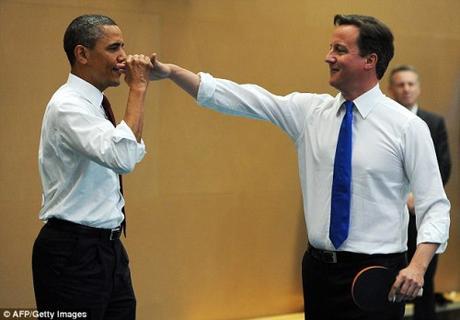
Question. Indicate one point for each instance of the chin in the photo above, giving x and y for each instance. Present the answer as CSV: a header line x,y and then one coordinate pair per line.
x,y
334,84
114,83
334,79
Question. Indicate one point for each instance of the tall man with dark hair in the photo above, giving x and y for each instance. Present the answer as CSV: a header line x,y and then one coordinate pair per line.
x,y
405,88
79,263
354,199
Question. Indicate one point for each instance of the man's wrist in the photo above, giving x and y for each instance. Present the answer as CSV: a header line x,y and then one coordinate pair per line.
x,y
139,89
173,70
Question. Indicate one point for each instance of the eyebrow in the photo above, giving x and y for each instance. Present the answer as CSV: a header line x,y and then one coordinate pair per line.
x,y
338,46
335,44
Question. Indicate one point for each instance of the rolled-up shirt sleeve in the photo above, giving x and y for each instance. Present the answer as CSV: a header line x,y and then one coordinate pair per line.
x,y
136,150
115,148
432,208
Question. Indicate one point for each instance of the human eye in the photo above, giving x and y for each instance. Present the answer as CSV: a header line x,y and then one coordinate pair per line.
x,y
115,46
340,50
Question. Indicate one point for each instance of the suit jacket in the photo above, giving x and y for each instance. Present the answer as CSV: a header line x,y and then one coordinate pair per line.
x,y
438,132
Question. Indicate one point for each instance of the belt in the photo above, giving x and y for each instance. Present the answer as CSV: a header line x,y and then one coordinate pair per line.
x,y
64,225
345,256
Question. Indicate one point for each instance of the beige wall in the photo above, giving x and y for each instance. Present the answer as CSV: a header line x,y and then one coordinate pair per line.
x,y
216,226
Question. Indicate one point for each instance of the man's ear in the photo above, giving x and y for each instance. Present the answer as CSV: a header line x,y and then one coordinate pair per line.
x,y
371,61
81,54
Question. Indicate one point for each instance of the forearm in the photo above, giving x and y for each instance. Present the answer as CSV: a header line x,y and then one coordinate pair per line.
x,y
185,79
423,255
134,114
410,279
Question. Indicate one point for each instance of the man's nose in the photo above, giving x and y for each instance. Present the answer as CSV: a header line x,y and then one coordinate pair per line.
x,y
122,56
330,57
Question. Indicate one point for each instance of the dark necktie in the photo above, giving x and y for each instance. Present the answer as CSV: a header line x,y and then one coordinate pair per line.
x,y
341,181
109,113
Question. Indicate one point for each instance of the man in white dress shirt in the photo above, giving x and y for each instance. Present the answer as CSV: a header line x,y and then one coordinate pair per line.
x,y
79,263
387,144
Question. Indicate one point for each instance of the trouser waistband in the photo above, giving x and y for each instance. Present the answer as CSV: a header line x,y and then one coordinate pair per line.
x,y
346,256
64,225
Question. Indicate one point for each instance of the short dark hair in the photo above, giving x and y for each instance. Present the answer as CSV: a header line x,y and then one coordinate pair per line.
x,y
84,30
374,37
403,67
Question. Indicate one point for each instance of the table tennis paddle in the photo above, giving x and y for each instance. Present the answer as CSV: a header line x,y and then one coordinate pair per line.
x,y
371,286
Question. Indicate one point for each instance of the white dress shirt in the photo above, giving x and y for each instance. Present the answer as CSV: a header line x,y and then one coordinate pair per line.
x,y
392,154
81,155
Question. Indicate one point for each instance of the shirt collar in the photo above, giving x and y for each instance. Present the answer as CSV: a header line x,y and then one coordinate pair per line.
x,y
87,90
365,102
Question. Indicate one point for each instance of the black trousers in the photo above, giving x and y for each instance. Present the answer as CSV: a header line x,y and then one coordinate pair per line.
x,y
424,306
327,288
77,271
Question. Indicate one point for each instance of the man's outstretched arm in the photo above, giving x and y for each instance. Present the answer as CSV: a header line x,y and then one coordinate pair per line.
x,y
184,78
245,100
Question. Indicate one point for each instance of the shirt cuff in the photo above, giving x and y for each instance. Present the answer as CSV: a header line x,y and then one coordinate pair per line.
x,y
123,131
442,247
206,89
422,237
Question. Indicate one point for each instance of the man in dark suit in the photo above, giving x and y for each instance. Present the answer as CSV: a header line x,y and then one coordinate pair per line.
x,y
405,89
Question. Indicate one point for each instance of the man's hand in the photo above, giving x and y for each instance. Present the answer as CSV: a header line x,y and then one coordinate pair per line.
x,y
410,280
137,69
407,285
184,78
160,70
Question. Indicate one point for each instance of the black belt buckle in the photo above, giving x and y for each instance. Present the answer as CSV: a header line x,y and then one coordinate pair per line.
x,y
329,256
115,233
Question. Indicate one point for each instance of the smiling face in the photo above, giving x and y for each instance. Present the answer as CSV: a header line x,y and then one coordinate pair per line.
x,y
346,66
100,61
405,87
